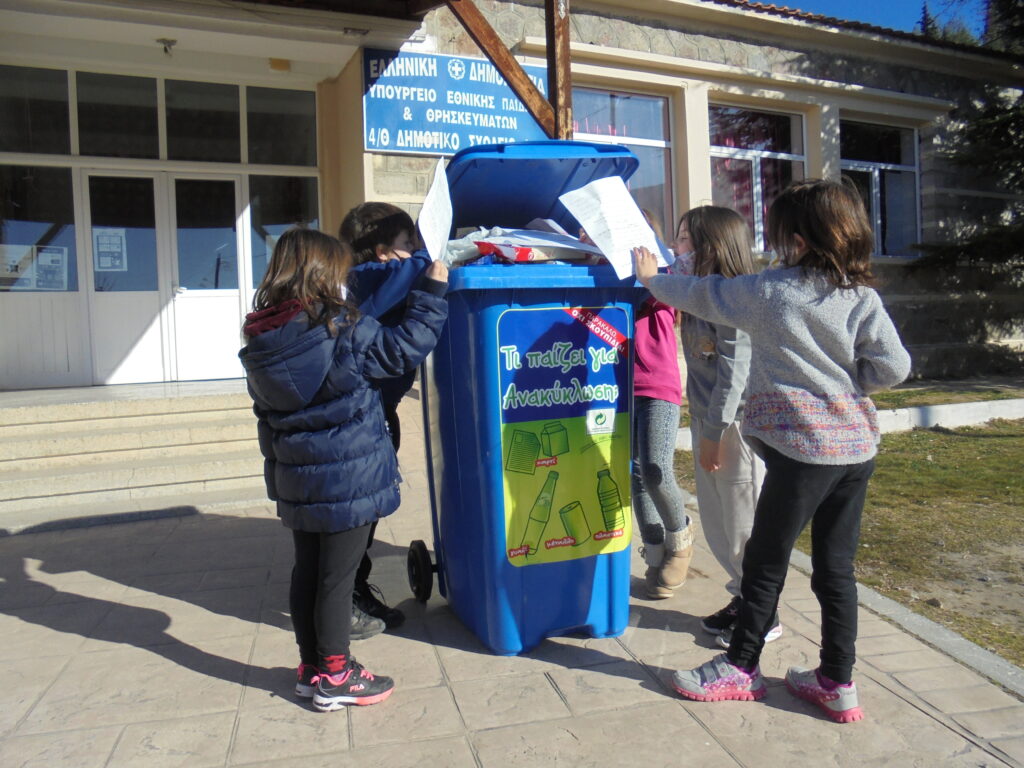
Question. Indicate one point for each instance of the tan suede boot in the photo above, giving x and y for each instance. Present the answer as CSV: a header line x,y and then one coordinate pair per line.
x,y
654,556
678,553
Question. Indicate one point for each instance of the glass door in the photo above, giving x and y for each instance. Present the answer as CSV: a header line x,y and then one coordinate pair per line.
x,y
165,303
207,302
126,279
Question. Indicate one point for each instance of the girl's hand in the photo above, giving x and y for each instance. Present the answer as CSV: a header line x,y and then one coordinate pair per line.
x,y
646,264
437,271
709,455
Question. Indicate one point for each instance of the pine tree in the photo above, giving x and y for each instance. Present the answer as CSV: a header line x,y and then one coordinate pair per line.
x,y
986,261
928,26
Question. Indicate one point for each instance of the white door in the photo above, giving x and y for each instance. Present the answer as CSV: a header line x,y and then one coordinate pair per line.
x,y
129,282
165,303
206,277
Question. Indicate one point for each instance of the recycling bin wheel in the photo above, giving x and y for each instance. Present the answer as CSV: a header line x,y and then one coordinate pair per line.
x,y
420,570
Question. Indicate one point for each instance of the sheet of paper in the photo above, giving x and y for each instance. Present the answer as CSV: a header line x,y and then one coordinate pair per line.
x,y
611,218
435,220
537,239
546,225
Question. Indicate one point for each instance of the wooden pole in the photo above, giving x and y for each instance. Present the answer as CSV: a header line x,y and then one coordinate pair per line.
x,y
487,39
556,23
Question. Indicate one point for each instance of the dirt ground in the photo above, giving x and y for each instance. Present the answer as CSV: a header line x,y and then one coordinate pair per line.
x,y
990,587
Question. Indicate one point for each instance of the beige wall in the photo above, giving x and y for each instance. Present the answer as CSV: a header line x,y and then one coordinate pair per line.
x,y
693,58
343,177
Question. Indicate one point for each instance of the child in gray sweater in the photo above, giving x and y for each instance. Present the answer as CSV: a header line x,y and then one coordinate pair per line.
x,y
821,342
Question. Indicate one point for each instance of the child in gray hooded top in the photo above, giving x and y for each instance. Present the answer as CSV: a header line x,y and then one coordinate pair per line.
x,y
821,342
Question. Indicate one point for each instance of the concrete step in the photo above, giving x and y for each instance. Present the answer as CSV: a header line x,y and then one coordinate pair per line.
x,y
129,421
131,503
95,436
103,452
192,464
72,463
46,413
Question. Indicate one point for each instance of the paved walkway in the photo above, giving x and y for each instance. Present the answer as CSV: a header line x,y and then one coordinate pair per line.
x,y
167,643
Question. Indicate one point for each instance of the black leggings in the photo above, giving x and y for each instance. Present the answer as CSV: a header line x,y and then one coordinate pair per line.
x,y
321,591
832,499
395,431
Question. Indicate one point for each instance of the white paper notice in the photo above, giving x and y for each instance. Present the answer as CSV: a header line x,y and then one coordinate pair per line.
x,y
611,218
436,216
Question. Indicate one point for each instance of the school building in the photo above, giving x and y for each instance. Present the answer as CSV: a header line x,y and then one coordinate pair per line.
x,y
150,153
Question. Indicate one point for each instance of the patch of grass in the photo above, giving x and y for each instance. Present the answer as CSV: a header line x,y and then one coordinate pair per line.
x,y
945,517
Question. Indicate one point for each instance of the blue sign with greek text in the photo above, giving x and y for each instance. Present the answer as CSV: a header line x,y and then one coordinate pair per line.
x,y
430,104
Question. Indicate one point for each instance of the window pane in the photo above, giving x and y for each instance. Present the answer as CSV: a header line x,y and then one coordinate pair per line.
x,y
620,114
277,203
123,234
862,181
202,122
34,111
746,129
117,116
899,206
651,184
37,230
876,143
207,246
732,181
776,175
282,126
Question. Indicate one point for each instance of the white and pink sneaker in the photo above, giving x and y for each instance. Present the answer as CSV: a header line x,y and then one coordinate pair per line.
x,y
719,680
840,702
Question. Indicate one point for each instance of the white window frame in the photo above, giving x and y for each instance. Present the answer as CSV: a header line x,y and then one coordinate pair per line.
x,y
875,170
756,156
627,141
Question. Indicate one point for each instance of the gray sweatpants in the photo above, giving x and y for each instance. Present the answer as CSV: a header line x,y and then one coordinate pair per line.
x,y
726,499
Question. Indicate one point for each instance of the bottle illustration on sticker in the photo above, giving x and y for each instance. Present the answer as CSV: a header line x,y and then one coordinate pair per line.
x,y
540,513
611,503
574,520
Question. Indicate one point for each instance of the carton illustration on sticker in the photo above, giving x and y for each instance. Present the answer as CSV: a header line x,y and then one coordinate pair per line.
x,y
554,439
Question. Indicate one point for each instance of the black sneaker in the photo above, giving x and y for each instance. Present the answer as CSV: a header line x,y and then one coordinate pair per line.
x,y
353,685
720,621
363,625
724,638
370,600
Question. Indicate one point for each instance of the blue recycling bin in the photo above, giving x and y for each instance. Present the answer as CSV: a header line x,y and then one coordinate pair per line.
x,y
526,402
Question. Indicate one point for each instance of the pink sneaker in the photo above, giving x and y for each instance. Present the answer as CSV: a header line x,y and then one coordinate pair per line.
x,y
719,680
353,685
305,683
840,703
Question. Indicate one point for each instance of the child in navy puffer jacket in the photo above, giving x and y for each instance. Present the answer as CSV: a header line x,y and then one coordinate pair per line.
x,y
311,364
383,241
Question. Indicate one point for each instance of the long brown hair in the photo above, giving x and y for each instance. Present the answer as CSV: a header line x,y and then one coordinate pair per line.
x,y
830,217
721,241
311,268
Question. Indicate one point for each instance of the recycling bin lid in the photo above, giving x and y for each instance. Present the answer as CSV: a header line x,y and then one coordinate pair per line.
x,y
510,185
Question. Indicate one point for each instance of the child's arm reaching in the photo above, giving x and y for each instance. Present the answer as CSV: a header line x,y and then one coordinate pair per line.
x,y
395,351
378,287
719,300
882,361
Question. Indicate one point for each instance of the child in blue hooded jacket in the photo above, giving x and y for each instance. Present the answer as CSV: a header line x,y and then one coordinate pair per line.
x,y
383,241
311,364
